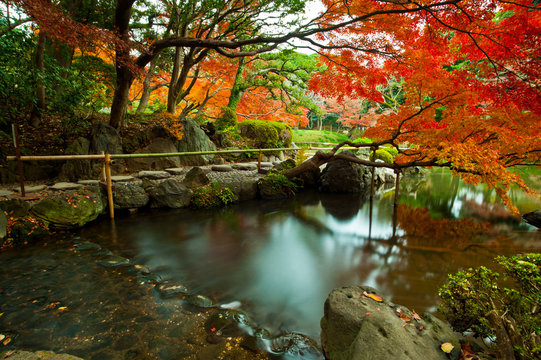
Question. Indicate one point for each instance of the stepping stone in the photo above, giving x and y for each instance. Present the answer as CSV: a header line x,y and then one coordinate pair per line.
x,y
88,182
176,171
266,164
221,168
6,192
170,289
153,175
244,166
31,189
66,186
113,261
121,178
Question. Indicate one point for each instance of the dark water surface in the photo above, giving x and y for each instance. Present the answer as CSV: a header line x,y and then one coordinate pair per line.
x,y
276,260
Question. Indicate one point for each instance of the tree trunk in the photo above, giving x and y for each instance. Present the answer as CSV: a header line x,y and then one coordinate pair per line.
x,y
172,94
35,116
237,90
145,96
124,77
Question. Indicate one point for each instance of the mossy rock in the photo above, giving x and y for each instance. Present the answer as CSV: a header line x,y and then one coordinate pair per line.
x,y
266,134
71,210
15,208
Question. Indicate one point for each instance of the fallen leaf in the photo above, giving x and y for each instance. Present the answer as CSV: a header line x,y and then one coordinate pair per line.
x,y
6,341
447,347
63,308
405,317
373,297
2,337
415,316
421,327
368,313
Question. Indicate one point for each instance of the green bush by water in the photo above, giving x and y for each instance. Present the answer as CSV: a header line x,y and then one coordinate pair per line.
x,y
212,195
475,300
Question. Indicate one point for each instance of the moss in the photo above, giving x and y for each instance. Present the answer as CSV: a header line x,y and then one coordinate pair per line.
x,y
384,155
266,134
227,119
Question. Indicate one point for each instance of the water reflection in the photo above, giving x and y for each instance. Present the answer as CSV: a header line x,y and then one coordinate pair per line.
x,y
280,259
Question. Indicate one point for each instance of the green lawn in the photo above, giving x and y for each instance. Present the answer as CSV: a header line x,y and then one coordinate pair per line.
x,y
303,136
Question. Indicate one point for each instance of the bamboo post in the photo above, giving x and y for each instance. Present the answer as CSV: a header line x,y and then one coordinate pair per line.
x,y
107,162
103,176
18,154
259,161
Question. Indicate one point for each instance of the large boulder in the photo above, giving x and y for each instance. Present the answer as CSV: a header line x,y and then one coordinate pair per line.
x,y
129,196
195,178
157,146
38,355
533,218
244,188
194,139
74,170
358,325
106,138
170,194
70,210
342,176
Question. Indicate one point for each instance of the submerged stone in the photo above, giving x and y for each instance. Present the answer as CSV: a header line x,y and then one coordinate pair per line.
x,y
296,346
86,245
171,289
114,261
230,323
199,301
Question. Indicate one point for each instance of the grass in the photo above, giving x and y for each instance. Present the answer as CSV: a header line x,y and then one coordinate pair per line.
x,y
304,136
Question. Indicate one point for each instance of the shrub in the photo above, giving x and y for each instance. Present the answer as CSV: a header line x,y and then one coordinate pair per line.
x,y
226,120
266,134
213,195
382,154
279,183
362,140
474,300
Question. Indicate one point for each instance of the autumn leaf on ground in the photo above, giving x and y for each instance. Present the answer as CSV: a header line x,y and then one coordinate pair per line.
x,y
447,347
415,316
63,308
373,297
405,317
51,305
466,352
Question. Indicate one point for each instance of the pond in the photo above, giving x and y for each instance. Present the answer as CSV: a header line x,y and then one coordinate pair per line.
x,y
275,260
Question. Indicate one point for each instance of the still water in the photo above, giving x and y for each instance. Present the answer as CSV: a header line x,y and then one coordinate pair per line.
x,y
275,260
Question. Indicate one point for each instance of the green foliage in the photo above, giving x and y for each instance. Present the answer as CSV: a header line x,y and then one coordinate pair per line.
x,y
266,134
470,295
382,154
227,119
363,140
280,183
213,195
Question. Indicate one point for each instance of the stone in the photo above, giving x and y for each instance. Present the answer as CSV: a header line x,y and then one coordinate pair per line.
x,y
176,171
356,326
221,168
86,245
72,170
3,224
267,190
384,175
71,210
158,145
230,322
4,192
414,171
15,208
113,261
129,196
31,189
171,289
266,164
244,166
342,176
195,178
194,140
38,355
104,137
296,346
170,194
89,182
244,188
284,165
156,175
199,301
66,186
533,218
122,178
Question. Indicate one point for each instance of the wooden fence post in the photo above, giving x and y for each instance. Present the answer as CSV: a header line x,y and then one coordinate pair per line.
x,y
18,154
259,161
107,162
